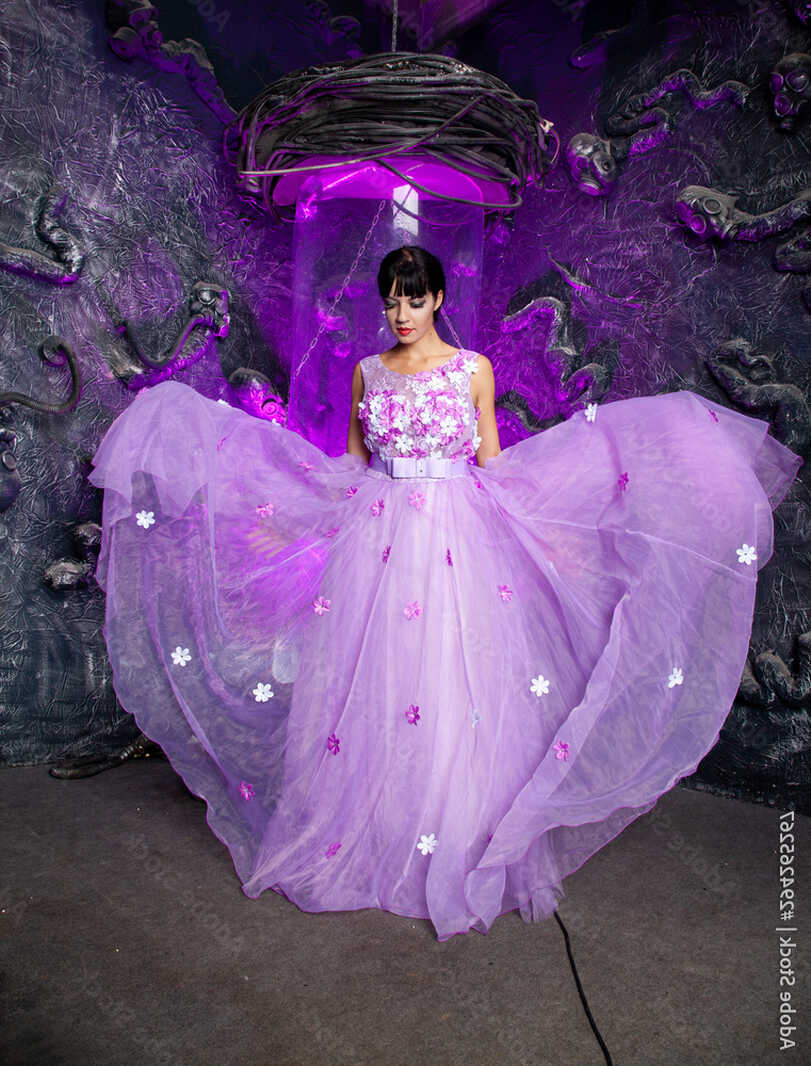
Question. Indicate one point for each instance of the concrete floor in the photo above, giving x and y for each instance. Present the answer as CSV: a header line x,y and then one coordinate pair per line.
x,y
127,940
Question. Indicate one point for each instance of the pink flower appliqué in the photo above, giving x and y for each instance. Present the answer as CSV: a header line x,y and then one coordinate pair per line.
x,y
413,714
505,592
561,749
265,510
333,744
332,849
377,507
479,485
351,490
386,552
246,790
448,557
413,609
417,499
306,464
332,532
622,481
320,605
712,414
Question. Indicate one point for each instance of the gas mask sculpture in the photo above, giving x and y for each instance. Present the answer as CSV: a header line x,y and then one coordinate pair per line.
x,y
711,213
790,83
592,164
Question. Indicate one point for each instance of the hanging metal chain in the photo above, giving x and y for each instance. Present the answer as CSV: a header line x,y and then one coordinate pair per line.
x,y
447,318
394,27
328,316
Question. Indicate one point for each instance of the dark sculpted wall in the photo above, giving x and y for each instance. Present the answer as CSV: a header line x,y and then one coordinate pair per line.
x,y
670,248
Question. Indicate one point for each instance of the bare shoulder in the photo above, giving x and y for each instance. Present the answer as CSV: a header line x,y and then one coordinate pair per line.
x,y
482,383
483,363
358,383
357,373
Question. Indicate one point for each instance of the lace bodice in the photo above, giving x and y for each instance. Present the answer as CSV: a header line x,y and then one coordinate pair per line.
x,y
429,413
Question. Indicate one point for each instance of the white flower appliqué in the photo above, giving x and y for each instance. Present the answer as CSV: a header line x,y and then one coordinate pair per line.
x,y
263,692
539,685
475,717
746,553
591,412
427,844
181,656
145,519
676,677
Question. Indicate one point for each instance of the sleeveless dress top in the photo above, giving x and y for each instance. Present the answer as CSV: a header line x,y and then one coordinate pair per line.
x,y
427,414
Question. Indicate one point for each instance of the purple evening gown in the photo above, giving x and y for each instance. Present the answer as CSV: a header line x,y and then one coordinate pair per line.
x,y
434,695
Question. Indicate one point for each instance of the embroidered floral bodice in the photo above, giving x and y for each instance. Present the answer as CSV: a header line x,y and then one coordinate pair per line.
x,y
429,413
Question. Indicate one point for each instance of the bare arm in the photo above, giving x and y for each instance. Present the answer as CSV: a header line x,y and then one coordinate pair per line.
x,y
483,392
354,441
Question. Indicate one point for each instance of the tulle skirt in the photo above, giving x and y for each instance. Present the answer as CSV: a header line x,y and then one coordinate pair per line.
x,y
433,696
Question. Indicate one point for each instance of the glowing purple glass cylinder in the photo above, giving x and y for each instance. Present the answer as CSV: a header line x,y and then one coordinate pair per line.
x,y
348,217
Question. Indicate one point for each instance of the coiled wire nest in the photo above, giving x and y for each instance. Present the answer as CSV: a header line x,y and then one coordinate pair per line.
x,y
388,104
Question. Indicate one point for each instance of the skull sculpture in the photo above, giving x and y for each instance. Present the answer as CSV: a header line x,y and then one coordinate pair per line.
x,y
592,164
790,83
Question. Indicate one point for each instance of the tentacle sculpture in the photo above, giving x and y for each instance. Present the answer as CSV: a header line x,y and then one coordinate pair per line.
x,y
768,682
639,126
747,377
70,572
638,110
578,383
56,352
134,34
208,319
10,481
67,266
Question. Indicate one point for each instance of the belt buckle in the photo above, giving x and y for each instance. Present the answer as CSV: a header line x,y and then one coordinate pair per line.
x,y
419,467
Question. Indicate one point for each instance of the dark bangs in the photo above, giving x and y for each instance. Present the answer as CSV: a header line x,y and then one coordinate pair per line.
x,y
416,272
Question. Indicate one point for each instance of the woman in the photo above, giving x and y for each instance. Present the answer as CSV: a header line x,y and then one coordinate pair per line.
x,y
417,683
411,315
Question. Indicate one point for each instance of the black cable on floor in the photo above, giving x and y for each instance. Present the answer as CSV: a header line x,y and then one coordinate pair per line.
x,y
609,1061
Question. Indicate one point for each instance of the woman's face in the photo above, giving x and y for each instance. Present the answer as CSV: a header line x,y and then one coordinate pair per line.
x,y
411,317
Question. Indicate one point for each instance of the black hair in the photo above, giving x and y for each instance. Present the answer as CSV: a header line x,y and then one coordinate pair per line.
x,y
415,270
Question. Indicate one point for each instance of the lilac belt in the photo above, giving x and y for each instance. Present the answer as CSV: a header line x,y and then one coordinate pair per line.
x,y
410,466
